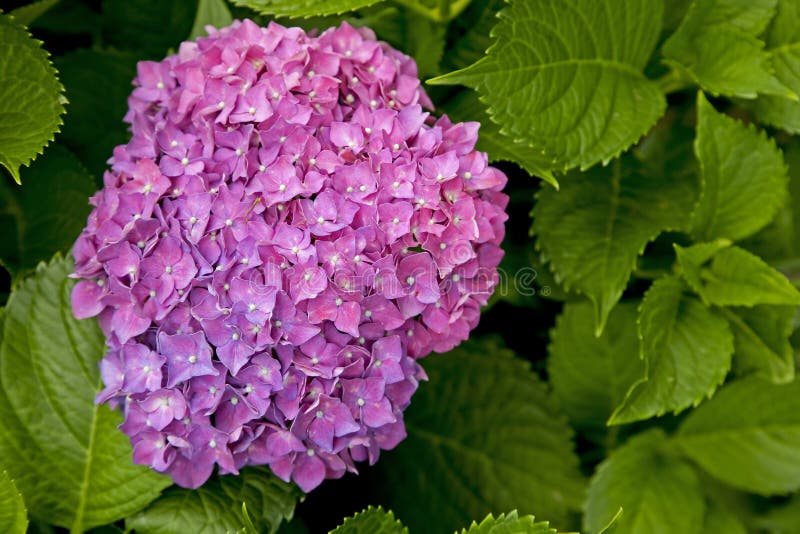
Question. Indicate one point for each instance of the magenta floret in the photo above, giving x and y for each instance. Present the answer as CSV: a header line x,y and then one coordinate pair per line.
x,y
285,234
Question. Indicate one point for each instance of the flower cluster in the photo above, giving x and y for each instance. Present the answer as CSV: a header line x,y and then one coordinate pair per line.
x,y
285,234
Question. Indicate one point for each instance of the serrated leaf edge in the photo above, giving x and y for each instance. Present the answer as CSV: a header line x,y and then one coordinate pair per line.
x,y
62,99
389,514
265,11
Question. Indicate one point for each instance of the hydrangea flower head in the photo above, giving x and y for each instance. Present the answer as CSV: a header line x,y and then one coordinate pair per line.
x,y
286,233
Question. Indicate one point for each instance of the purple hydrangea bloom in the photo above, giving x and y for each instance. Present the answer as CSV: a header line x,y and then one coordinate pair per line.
x,y
286,233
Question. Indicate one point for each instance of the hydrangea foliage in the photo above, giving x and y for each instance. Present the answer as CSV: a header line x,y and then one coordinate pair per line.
x,y
252,304
285,234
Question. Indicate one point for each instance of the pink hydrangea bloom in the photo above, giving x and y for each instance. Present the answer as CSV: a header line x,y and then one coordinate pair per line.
x,y
285,234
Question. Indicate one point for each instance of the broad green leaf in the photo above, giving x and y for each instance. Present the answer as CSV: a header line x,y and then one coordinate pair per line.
x,y
717,45
687,348
31,100
719,520
669,147
734,277
783,43
782,519
761,341
748,435
565,77
674,15
371,521
465,106
249,527
722,497
594,228
591,375
47,214
613,524
483,435
659,493
509,523
304,8
98,84
210,12
64,452
743,177
217,505
13,515
779,243
147,27
776,243
26,14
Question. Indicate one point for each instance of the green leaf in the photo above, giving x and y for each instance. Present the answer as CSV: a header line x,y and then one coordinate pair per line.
x,y
483,435
64,452
674,15
718,519
783,42
147,27
210,12
761,341
658,492
748,436
47,214
304,8
687,348
782,519
249,527
98,84
744,179
717,45
565,77
509,523
13,515
465,106
594,228
25,15
371,521
217,505
734,277
591,375
669,147
31,100
613,524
